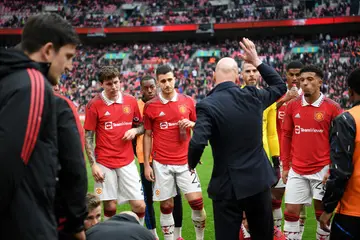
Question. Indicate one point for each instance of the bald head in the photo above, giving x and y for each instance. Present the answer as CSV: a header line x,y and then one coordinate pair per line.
x,y
131,214
226,70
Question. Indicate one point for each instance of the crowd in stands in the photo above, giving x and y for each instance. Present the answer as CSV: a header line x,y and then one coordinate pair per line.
x,y
336,56
115,13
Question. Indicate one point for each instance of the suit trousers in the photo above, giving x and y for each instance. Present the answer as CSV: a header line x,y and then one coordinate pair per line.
x,y
228,215
345,227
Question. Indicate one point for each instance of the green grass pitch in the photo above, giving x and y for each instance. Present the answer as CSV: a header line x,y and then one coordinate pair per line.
x,y
204,172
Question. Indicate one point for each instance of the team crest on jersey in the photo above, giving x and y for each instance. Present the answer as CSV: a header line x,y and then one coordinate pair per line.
x,y
182,109
98,191
157,192
126,109
319,116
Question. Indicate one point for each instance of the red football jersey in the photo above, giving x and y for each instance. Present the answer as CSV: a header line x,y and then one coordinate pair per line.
x,y
280,114
305,134
162,117
110,120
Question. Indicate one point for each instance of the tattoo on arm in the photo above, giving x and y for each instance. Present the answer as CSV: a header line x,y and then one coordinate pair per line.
x,y
140,129
89,146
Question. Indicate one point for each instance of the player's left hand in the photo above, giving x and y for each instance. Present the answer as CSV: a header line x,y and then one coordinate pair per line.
x,y
130,134
186,123
324,220
191,170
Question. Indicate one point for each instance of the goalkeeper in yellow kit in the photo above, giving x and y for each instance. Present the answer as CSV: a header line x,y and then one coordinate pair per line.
x,y
251,77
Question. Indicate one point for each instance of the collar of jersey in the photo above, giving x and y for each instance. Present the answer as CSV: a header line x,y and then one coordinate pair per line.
x,y
108,102
165,101
317,103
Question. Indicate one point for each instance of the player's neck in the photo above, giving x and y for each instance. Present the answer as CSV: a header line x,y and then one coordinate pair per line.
x,y
145,99
168,96
113,98
311,99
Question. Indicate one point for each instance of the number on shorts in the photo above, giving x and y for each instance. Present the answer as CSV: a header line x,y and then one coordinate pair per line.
x,y
317,186
195,180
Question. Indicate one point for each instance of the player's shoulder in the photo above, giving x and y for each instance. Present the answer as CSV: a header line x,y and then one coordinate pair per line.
x,y
332,103
94,101
295,102
62,99
186,98
152,102
128,97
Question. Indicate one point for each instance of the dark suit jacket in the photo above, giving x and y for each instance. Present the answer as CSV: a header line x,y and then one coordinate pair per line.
x,y
231,118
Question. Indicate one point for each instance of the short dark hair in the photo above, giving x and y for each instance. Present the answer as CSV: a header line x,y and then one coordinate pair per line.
x,y
108,73
314,69
47,27
146,78
294,65
353,80
92,201
163,69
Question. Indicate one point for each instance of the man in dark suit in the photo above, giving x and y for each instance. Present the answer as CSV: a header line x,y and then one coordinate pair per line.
x,y
231,118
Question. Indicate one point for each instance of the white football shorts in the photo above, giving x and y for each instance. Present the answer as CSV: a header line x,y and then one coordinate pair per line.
x,y
167,177
302,189
121,184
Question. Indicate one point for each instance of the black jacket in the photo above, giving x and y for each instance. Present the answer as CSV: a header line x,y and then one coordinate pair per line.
x,y
70,203
231,118
342,146
28,149
119,227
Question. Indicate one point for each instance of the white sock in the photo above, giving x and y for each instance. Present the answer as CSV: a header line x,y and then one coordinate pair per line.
x,y
321,234
142,221
302,221
198,217
292,230
277,213
177,232
245,232
153,231
167,226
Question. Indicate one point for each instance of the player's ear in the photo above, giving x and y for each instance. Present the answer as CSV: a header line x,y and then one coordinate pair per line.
x,y
48,52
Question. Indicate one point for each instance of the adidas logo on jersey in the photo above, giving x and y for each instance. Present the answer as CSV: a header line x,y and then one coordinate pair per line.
x,y
297,115
107,113
161,114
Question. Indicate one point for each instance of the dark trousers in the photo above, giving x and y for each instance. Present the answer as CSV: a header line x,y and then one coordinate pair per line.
x,y
150,220
345,227
228,215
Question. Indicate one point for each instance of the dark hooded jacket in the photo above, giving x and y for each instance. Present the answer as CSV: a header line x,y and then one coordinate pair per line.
x,y
28,149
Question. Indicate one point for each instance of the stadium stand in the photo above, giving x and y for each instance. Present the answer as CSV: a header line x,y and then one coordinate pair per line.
x,y
194,64
115,13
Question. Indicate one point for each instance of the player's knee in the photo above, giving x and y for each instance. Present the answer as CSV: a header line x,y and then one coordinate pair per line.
x,y
138,206
276,204
166,208
109,209
293,209
109,206
197,204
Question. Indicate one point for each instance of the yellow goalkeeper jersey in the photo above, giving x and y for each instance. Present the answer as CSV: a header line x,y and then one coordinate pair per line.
x,y
270,137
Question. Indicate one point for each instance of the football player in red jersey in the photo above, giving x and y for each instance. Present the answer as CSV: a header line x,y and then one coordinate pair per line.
x,y
306,123
294,90
111,115
168,119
